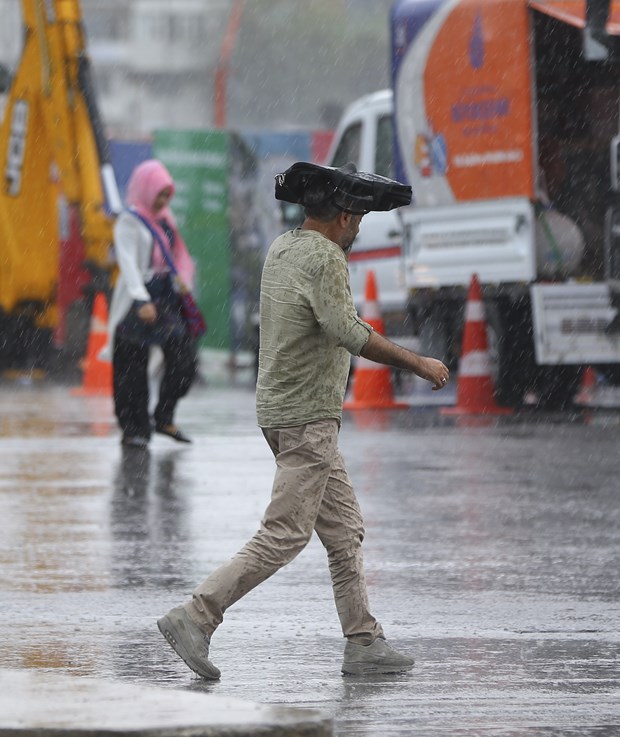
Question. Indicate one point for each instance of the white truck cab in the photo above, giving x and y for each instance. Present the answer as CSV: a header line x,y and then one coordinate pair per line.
x,y
365,136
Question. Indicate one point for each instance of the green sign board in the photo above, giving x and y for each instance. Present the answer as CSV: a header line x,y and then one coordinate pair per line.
x,y
199,163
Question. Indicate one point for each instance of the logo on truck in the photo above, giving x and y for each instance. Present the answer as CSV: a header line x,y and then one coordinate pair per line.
x,y
17,147
431,154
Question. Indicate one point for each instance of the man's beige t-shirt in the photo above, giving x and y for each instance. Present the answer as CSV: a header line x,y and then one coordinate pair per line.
x,y
308,330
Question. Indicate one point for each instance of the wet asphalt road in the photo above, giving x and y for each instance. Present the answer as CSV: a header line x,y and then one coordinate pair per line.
x,y
492,555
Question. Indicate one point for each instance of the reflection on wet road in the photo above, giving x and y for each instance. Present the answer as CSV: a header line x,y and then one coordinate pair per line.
x,y
492,554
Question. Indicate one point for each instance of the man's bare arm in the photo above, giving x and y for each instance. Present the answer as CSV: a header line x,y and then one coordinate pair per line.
x,y
382,350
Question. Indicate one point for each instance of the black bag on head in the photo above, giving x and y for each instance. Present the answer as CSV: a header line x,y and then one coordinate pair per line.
x,y
311,185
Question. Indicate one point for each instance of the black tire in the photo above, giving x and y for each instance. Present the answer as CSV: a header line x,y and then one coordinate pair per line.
x,y
23,345
557,386
77,328
511,348
611,372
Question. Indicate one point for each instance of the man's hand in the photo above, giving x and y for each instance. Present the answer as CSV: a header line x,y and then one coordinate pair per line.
x,y
434,371
148,313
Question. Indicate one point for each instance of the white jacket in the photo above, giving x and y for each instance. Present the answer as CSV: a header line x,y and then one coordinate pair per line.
x,y
133,246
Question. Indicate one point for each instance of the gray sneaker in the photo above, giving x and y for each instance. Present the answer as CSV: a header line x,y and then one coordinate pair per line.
x,y
379,657
188,641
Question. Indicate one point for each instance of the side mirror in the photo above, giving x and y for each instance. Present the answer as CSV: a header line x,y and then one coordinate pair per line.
x,y
614,151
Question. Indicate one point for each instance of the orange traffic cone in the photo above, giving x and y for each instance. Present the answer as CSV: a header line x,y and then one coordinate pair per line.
x,y
475,393
587,390
97,377
372,382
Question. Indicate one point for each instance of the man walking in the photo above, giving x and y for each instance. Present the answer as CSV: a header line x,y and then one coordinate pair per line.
x,y
309,328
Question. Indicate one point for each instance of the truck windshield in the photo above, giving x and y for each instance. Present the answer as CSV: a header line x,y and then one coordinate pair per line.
x,y
349,148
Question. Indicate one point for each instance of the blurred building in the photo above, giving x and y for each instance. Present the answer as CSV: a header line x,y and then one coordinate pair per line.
x,y
295,64
154,61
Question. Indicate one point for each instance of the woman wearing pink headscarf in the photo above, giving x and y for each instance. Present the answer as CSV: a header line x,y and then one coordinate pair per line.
x,y
145,310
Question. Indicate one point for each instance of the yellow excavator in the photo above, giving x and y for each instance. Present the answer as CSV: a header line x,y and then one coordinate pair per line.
x,y
52,149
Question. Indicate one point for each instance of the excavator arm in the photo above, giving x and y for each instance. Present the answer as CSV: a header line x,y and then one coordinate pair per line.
x,y
51,145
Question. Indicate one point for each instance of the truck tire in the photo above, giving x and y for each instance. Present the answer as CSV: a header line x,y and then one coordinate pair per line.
x,y
77,326
557,386
611,372
510,348
24,347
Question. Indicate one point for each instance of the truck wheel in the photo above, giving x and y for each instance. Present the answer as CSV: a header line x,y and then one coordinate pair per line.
x,y
77,327
557,386
24,346
510,349
611,372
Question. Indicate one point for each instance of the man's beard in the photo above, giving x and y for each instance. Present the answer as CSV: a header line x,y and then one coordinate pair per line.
x,y
347,246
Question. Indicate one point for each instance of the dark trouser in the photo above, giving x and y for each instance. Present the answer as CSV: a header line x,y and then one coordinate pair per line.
x,y
131,385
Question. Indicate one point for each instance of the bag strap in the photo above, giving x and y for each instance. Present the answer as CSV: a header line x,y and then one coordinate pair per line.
x,y
157,238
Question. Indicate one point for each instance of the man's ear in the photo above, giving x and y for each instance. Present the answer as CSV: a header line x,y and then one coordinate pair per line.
x,y
344,218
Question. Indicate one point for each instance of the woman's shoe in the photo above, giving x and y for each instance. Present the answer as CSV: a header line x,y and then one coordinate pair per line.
x,y
135,441
172,431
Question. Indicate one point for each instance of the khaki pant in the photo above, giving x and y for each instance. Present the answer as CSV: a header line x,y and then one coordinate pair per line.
x,y
311,491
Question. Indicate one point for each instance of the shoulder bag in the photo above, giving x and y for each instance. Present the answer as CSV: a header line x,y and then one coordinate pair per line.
x,y
196,323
